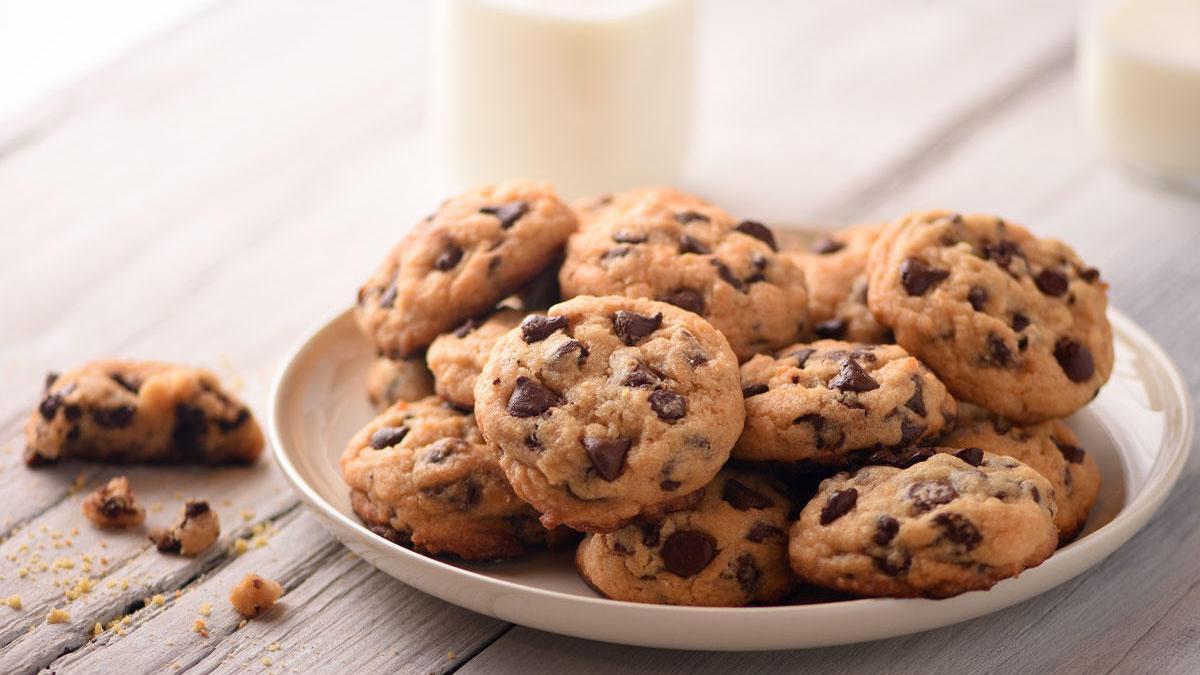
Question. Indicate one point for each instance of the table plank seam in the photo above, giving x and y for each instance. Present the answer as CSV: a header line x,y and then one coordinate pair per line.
x,y
459,663
1166,612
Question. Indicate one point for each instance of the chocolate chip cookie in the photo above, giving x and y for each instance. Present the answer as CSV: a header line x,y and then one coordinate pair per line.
x,y
950,524
607,408
475,250
457,357
835,273
667,245
829,401
1008,321
1050,448
140,411
420,475
729,550
391,380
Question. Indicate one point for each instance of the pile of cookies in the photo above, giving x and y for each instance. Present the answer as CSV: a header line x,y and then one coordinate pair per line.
x,y
719,420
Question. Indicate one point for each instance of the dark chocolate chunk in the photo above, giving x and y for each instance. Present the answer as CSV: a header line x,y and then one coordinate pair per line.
x,y
1051,282
910,431
727,276
49,406
1019,322
758,231
1002,252
448,258
668,485
640,376
687,552
686,298
530,399
831,329
838,505
688,216
754,390
852,378
927,494
1072,453
631,326
538,327
607,455
978,297
916,402
128,385
958,530
465,328
463,495
972,456
387,437
761,532
1075,359
195,508
118,417
825,246
744,498
1088,274
917,276
571,346
51,378
801,356
508,213
668,405
886,528
690,244
191,426
998,352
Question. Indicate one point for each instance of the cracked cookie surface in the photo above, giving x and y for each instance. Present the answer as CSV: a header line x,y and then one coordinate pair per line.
x,y
1008,321
828,402
666,245
607,408
116,410
420,475
949,524
476,249
728,550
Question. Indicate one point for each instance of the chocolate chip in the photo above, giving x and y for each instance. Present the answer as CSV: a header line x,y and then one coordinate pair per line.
x,y
607,455
49,406
530,399
71,411
754,390
1075,359
388,299
801,356
463,495
1019,322
957,529
743,498
917,276
998,352
748,574
896,563
1023,343
687,552
697,358
668,485
113,418
758,231
624,237
852,378
760,263
631,326
978,297
825,246
51,378
640,376
465,329
668,405
1051,282
761,532
686,298
838,505
538,327
387,437
1002,252
886,528
816,421
191,426
916,402
831,329
690,244
1088,274
689,216
927,494
910,431
508,213
571,346
195,508
650,532
727,276
438,452
1035,493
972,456
1072,453
128,385
615,252
448,258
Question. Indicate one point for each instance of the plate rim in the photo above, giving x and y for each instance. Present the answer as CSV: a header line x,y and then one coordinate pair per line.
x,y
1081,553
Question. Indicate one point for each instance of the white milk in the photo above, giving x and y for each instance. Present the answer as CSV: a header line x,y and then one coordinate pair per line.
x,y
1139,64
593,95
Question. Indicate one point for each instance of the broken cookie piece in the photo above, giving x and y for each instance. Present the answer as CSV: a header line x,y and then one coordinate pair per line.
x,y
195,530
140,411
114,506
254,595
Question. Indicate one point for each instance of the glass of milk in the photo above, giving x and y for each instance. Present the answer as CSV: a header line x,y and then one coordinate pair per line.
x,y
593,95
1139,66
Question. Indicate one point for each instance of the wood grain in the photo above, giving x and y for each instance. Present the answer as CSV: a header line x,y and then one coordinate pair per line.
x,y
218,190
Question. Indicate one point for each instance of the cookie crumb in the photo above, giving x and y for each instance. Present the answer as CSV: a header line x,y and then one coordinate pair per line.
x,y
205,609
97,629
114,506
200,627
158,600
254,595
196,528
273,647
58,616
13,601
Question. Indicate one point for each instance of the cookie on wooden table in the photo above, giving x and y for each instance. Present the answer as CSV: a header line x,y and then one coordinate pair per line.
x,y
947,525
728,550
1008,321
420,475
666,245
117,410
477,249
828,402
604,409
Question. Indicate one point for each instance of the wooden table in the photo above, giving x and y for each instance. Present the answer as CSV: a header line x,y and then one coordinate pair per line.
x,y
212,194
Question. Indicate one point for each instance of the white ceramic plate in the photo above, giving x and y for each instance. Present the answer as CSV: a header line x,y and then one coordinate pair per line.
x,y
1139,430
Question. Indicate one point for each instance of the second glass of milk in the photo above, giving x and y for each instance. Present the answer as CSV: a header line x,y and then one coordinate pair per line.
x,y
591,95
